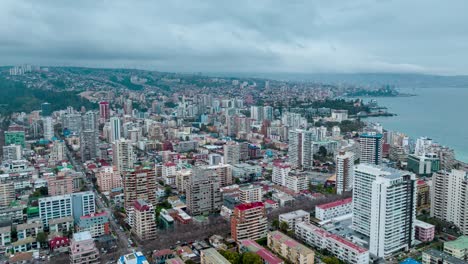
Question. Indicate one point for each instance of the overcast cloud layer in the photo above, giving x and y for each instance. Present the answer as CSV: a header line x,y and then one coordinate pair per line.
x,y
255,35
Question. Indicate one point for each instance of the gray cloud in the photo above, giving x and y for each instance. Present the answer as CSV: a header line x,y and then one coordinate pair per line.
x,y
425,36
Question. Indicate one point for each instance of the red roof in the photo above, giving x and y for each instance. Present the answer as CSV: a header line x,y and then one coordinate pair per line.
x,y
266,255
282,165
270,201
421,182
247,206
169,164
335,203
94,215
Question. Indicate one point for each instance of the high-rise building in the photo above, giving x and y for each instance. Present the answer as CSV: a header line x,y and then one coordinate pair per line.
x,y
88,145
115,127
250,194
268,113
139,183
14,137
203,192
144,222
231,154
59,185
371,148
224,173
7,194
72,122
57,153
46,109
249,221
280,172
384,208
423,165
300,150
108,179
12,152
48,127
83,203
104,110
90,121
54,207
449,198
256,112
123,155
83,250
128,107
344,172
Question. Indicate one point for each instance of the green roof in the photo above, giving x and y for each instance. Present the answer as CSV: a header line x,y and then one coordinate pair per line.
x,y
32,210
459,243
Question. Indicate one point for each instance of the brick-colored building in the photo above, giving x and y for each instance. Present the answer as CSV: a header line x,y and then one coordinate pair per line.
x,y
108,179
59,185
139,183
249,221
143,220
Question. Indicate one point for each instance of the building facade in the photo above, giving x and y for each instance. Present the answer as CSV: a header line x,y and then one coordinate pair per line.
x,y
249,221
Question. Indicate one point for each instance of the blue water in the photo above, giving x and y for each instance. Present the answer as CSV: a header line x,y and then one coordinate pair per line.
x,y
438,113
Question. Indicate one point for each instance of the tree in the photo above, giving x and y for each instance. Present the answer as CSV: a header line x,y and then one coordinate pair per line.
x,y
41,238
251,258
331,260
275,224
189,261
322,151
232,257
168,190
283,226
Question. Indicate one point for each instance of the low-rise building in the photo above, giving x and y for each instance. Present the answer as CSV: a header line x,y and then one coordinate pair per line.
x,y
133,258
457,248
97,224
424,232
211,256
266,256
250,194
289,248
83,250
334,209
341,248
293,218
432,256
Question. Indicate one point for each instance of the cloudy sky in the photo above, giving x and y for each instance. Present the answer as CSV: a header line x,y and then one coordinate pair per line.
x,y
425,36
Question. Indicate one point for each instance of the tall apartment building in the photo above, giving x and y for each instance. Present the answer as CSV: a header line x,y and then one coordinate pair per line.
x,y
108,179
59,185
83,250
231,153
104,110
88,144
293,218
123,155
449,198
97,224
280,172
115,129
7,194
57,153
48,127
144,222
249,221
83,203
224,173
203,192
289,248
384,208
250,193
344,172
12,152
300,150
371,145
54,207
139,183
297,182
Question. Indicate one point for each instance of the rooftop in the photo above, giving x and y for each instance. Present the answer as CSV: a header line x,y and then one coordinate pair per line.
x,y
294,214
247,206
382,171
335,203
266,255
81,236
422,224
291,243
445,256
459,243
133,258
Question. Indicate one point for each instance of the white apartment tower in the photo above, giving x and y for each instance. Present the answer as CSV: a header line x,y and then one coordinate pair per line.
x,y
115,127
371,148
344,172
384,208
300,150
123,155
449,198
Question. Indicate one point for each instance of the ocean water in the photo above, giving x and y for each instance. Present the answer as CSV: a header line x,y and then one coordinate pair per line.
x,y
438,113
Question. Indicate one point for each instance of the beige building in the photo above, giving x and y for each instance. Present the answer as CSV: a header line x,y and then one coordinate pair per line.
x,y
289,248
211,256
144,225
7,194
250,194
203,193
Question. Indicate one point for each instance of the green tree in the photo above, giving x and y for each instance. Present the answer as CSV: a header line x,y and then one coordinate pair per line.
x,y
322,151
331,260
275,224
283,226
231,256
168,190
41,238
251,258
